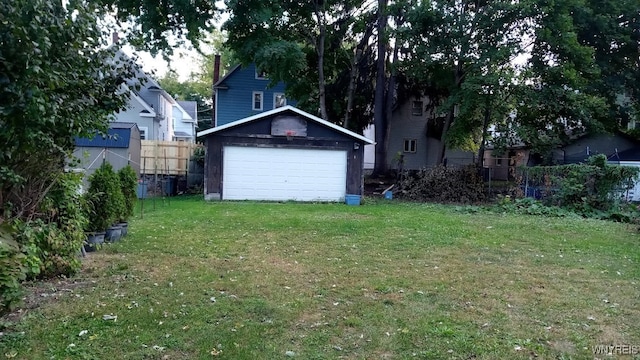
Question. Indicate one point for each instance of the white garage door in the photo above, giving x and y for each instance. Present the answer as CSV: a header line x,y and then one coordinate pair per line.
x,y
255,173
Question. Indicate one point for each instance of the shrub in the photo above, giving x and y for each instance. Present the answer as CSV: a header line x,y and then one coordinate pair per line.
x,y
104,198
198,155
582,188
12,269
128,186
442,184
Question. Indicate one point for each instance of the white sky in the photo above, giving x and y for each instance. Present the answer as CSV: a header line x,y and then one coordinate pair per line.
x,y
184,62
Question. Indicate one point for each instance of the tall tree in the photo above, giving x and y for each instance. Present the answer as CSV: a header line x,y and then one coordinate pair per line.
x,y
57,81
155,21
290,41
445,42
379,116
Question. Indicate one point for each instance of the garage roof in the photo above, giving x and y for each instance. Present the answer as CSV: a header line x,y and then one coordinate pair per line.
x,y
285,109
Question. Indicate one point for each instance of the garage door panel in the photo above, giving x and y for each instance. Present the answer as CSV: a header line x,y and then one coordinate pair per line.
x,y
252,173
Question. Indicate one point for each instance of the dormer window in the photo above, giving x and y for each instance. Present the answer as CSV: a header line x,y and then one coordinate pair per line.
x,y
261,74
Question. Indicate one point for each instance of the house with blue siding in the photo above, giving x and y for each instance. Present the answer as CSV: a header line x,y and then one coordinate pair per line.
x,y
244,92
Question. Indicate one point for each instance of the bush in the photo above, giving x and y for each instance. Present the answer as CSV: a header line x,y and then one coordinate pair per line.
x,y
104,198
198,155
13,269
442,184
583,188
128,186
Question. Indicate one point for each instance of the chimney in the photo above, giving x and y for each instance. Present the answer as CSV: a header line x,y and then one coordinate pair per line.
x,y
115,38
216,77
216,68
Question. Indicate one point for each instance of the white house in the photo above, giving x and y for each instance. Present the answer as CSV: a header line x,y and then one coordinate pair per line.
x,y
185,121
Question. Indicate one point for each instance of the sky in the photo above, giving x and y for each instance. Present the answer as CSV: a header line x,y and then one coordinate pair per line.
x,y
184,62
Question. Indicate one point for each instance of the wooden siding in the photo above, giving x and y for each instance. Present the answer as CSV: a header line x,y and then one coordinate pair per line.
x,y
215,143
235,102
405,125
165,157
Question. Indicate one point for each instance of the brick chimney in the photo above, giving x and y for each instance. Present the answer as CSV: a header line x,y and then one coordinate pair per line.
x,y
216,68
216,77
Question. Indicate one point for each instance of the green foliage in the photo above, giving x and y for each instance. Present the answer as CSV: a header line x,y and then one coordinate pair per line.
x,y
128,186
583,188
442,184
12,269
187,19
52,242
104,198
311,48
198,155
57,80
529,206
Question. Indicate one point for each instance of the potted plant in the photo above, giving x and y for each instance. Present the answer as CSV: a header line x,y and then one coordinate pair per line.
x,y
128,187
104,199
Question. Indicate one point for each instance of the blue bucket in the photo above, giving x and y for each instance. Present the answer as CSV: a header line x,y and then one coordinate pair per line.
x,y
352,200
388,195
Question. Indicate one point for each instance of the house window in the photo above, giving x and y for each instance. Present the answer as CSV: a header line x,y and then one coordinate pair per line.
x,y
143,132
416,108
410,145
257,100
279,100
498,161
261,74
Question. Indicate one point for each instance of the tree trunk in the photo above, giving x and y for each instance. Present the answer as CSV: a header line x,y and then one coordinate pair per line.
x,y
443,146
458,75
483,141
322,25
354,72
352,86
380,166
391,88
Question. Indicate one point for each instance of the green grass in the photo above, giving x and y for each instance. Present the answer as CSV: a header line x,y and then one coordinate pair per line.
x,y
327,281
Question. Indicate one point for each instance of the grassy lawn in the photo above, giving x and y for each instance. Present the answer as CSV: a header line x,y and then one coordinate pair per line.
x,y
327,281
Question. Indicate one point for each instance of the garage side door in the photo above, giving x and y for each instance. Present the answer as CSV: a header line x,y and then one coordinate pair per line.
x,y
256,173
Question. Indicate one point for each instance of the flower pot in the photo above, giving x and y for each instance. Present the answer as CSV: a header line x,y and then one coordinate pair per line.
x,y
94,241
113,233
124,229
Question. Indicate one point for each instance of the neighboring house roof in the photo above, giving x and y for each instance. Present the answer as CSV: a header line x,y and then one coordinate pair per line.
x,y
181,134
191,107
627,155
118,136
148,109
218,84
285,109
185,114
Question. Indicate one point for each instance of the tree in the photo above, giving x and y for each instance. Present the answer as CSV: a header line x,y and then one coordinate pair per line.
x,y
290,39
151,22
57,81
198,87
379,116
448,42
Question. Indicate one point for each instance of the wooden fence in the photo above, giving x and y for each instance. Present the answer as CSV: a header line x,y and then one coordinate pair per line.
x,y
165,157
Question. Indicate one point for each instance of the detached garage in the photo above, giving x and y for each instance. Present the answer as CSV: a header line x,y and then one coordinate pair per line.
x,y
283,154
